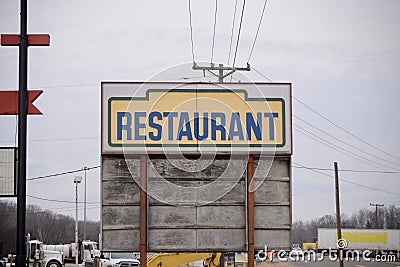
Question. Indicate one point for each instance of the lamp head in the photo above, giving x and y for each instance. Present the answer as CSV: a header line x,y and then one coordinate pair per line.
x,y
77,179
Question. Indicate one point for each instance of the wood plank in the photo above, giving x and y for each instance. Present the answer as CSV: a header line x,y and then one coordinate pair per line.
x,y
196,193
117,168
266,167
221,217
274,239
171,240
272,192
197,169
120,216
120,192
221,240
120,240
235,196
168,217
120,227
171,217
271,216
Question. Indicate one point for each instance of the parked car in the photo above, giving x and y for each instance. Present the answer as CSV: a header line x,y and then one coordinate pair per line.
x,y
118,259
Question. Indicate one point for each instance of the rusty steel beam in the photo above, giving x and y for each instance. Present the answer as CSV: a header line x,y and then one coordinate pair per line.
x,y
250,211
143,210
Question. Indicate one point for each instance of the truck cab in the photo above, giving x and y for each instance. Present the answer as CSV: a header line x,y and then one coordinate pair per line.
x,y
90,249
44,258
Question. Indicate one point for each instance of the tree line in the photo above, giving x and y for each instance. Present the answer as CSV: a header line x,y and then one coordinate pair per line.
x,y
53,228
44,225
388,218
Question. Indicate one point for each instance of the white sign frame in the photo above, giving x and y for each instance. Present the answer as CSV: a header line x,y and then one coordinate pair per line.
x,y
253,90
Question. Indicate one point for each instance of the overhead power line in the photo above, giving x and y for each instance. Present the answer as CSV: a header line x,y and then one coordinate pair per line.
x,y
65,208
350,182
233,27
56,139
191,29
63,139
66,86
338,148
61,173
61,201
57,210
345,170
260,73
334,147
215,26
258,29
340,140
369,187
346,131
240,29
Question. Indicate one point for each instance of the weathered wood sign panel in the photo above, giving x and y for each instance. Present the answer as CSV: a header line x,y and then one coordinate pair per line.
x,y
192,224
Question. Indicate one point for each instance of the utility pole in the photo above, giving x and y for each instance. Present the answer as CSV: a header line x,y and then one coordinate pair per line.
x,y
338,223
376,213
221,75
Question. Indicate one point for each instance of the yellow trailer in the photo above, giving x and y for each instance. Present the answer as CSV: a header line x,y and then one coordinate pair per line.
x,y
310,246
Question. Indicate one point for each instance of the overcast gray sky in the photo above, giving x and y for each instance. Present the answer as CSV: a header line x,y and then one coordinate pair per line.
x,y
341,57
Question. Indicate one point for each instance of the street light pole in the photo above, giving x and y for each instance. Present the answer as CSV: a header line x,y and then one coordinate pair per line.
x,y
77,180
84,209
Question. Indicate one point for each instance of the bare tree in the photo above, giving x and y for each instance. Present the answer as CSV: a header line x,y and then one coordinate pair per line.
x,y
306,231
45,225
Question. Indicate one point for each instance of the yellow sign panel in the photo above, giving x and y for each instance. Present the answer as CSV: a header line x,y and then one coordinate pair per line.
x,y
196,118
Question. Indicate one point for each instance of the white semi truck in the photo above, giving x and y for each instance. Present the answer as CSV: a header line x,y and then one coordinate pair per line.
x,y
387,240
87,250
36,255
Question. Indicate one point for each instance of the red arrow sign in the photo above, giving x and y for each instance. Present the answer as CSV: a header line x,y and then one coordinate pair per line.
x,y
9,102
33,39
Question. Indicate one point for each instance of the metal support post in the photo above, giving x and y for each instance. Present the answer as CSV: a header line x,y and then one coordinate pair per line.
x,y
22,133
22,40
143,210
250,211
